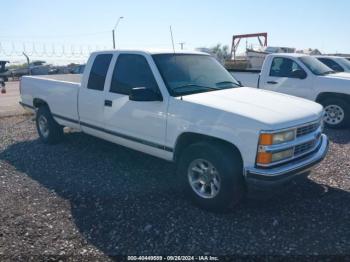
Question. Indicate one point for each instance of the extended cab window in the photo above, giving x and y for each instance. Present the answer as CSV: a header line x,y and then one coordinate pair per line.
x,y
132,71
284,67
99,71
331,64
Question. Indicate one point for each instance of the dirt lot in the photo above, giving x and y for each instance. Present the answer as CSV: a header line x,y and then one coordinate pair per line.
x,y
88,198
9,105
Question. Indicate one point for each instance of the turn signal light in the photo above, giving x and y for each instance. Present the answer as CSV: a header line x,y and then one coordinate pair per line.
x,y
266,139
264,158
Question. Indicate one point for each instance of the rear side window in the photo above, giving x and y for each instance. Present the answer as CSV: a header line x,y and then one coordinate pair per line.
x,y
283,67
132,71
98,72
331,64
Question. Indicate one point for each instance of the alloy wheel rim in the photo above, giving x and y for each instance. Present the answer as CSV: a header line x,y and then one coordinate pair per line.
x,y
334,114
43,126
204,178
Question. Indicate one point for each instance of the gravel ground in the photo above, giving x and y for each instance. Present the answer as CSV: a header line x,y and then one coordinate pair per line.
x,y
9,105
88,198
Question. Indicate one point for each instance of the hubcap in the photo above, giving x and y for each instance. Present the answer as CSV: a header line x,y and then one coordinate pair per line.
x,y
204,178
43,126
334,114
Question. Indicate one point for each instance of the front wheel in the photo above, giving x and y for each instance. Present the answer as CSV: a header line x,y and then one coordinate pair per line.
x,y
49,130
212,175
337,113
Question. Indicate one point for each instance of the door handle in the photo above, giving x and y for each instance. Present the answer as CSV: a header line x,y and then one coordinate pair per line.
x,y
108,103
272,82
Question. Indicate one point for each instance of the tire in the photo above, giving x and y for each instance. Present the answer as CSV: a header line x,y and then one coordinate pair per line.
x,y
337,113
229,169
50,132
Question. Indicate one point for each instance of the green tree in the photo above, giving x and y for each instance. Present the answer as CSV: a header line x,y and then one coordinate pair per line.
x,y
221,52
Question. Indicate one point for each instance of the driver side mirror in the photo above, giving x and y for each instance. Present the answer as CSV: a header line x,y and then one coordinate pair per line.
x,y
300,74
144,94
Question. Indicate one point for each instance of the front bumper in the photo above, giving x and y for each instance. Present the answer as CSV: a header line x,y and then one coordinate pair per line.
x,y
262,178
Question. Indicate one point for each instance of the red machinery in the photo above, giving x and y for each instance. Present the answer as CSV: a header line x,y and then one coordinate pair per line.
x,y
236,39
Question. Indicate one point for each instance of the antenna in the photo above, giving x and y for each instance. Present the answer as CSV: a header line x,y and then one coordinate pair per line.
x,y
172,38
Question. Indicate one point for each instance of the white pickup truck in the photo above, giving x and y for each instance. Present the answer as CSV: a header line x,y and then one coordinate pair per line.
x,y
336,63
184,107
304,76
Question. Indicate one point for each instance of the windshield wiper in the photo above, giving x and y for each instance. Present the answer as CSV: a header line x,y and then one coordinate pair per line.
x,y
195,85
227,82
328,72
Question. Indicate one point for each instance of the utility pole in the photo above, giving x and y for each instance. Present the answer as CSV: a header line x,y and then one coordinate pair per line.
x,y
113,35
115,29
182,45
28,63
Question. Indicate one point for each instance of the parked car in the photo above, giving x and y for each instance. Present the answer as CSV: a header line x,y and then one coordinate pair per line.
x,y
34,68
336,63
78,69
54,71
225,139
304,76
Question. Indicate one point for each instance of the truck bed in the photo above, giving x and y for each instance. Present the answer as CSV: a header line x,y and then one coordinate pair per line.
x,y
246,77
60,92
70,78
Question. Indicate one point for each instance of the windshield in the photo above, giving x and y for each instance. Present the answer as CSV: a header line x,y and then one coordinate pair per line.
x,y
315,66
186,74
343,62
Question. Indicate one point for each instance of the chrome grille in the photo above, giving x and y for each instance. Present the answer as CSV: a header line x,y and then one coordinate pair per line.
x,y
304,148
304,130
307,139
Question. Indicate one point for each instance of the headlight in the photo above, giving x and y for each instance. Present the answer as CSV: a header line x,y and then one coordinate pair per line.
x,y
282,155
264,157
277,138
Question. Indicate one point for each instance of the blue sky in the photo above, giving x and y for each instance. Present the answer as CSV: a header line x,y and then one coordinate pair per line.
x,y
302,24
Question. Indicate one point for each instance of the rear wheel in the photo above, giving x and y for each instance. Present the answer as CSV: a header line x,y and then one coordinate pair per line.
x,y
337,113
212,176
49,130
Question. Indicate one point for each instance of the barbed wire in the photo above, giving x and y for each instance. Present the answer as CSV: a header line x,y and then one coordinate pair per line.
x,y
59,52
72,36
45,50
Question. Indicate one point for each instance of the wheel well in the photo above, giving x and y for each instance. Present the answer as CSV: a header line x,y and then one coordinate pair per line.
x,y
323,96
188,139
37,102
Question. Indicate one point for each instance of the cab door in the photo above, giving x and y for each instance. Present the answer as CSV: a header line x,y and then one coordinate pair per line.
x,y
287,76
137,124
91,95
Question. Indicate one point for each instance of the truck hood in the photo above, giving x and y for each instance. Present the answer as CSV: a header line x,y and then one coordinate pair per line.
x,y
338,83
273,109
338,76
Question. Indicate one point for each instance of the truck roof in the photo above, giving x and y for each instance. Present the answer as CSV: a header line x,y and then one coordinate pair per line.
x,y
329,56
288,54
150,51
